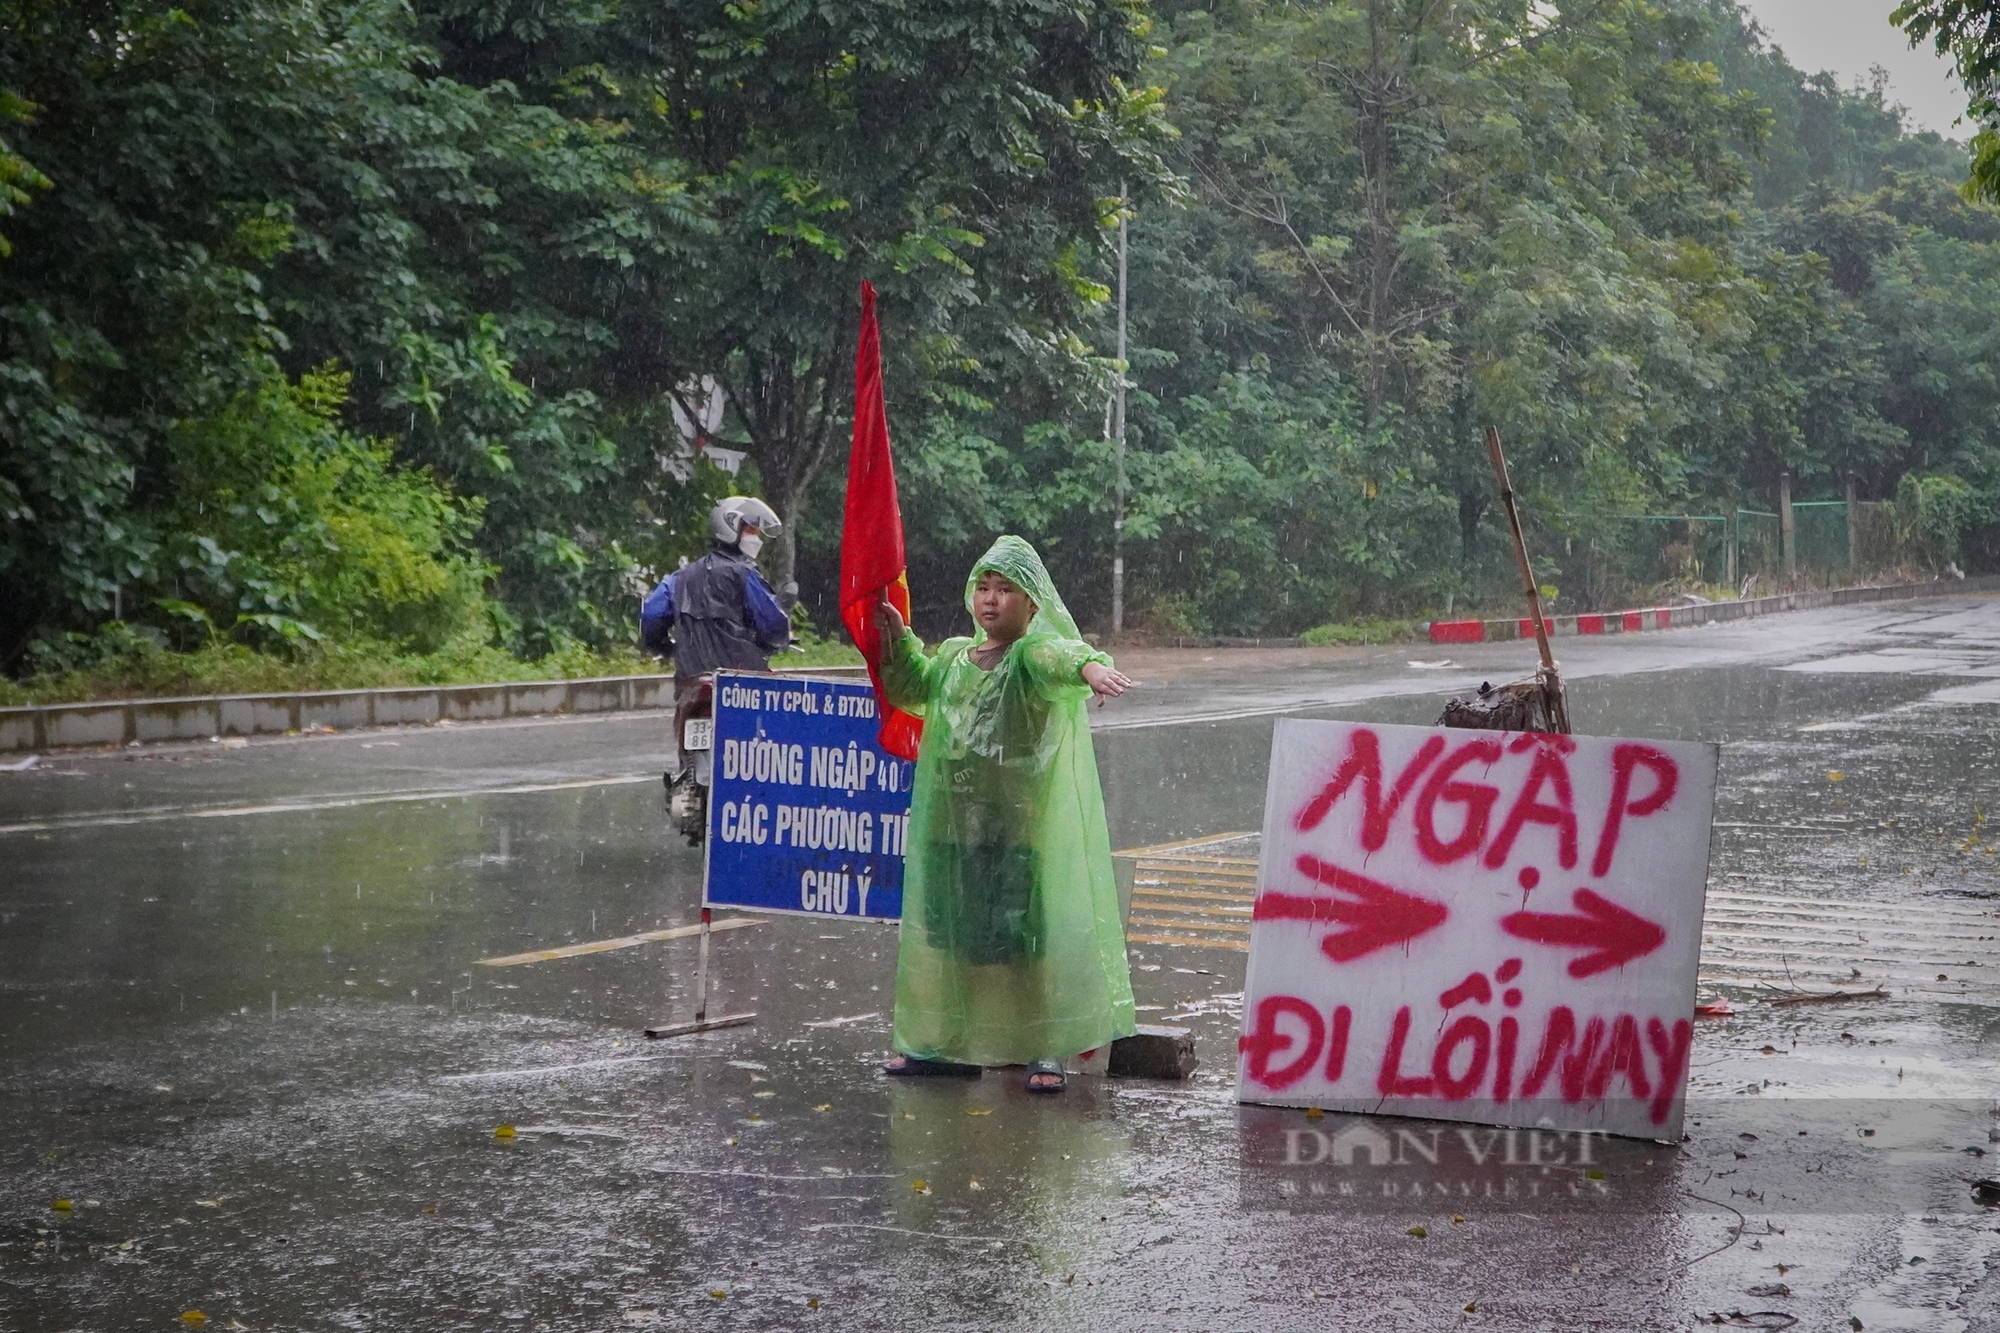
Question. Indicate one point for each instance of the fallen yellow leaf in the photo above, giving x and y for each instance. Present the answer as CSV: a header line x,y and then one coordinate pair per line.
x,y
1835,775
812,1302
62,1205
504,1132
979,1110
1314,1113
193,1317
1418,1232
921,1186
719,1293
1457,1218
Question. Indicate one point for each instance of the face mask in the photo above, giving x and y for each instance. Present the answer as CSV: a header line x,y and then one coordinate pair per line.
x,y
750,543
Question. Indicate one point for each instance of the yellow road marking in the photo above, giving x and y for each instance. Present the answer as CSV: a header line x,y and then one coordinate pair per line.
x,y
1241,946
1155,890
306,805
622,942
1190,925
1183,844
1196,909
1245,887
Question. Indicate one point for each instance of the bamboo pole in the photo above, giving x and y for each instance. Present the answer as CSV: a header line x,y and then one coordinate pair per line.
x,y
1552,682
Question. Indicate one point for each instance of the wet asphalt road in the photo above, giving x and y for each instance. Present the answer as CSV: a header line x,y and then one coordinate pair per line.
x,y
242,1031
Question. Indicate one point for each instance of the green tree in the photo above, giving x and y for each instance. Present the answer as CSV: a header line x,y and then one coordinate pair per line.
x,y
286,528
962,155
1968,32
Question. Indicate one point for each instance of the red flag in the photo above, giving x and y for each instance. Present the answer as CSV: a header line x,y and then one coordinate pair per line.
x,y
871,540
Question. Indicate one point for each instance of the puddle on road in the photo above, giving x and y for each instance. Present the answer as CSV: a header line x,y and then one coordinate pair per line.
x,y
142,958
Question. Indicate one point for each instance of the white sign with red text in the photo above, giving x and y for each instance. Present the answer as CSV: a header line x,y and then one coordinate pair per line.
x,y
1498,927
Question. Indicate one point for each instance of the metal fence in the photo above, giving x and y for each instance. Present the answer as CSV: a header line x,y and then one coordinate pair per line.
x,y
1833,542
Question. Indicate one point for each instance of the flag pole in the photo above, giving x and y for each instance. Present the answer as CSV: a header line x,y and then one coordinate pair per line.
x,y
873,563
1118,510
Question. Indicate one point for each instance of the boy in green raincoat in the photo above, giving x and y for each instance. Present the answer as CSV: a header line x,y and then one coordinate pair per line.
x,y
1012,948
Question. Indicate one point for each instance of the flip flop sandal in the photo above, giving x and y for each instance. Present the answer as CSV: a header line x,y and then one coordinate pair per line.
x,y
1041,1067
915,1067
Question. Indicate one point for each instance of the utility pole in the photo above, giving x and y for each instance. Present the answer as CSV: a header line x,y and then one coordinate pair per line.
x,y
1118,423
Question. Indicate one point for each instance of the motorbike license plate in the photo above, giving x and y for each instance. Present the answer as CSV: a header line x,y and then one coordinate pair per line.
x,y
698,734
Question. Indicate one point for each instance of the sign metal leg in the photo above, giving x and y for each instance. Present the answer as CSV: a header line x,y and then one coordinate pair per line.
x,y
702,1022
701,971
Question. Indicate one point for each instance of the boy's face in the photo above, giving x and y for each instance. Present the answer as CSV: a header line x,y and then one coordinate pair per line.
x,y
1001,608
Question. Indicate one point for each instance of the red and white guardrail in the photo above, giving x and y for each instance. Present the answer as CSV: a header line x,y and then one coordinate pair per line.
x,y
1701,613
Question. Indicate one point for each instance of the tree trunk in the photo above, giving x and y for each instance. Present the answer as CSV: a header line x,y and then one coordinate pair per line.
x,y
789,410
1471,509
1376,94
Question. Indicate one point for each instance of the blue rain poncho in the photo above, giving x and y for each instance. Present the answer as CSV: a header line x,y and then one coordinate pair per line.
x,y
1012,947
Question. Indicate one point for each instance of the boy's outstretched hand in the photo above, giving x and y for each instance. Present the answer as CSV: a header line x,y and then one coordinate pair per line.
x,y
1106,683
888,621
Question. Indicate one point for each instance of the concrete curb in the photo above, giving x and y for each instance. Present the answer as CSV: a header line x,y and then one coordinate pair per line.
x,y
131,721
1674,617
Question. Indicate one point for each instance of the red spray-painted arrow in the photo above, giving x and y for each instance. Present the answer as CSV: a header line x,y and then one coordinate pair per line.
x,y
1615,935
1384,916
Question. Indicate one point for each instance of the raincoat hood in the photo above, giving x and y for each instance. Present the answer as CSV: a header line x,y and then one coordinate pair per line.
x,y
1015,560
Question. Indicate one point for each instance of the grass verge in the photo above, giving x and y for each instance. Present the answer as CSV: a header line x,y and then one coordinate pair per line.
x,y
138,668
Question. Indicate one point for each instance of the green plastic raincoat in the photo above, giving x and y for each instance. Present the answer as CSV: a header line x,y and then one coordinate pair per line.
x,y
1012,947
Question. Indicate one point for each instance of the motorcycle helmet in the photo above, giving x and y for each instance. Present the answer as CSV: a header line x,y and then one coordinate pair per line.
x,y
726,520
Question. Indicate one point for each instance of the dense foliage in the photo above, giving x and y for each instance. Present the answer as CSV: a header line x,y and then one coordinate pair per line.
x,y
1664,263
357,326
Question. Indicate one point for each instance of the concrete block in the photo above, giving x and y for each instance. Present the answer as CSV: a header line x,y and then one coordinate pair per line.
x,y
537,696
414,707
652,691
473,703
596,696
17,729
255,714
1153,1052
1458,631
84,724
175,719
342,710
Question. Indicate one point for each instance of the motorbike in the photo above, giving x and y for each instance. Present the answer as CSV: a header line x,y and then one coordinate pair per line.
x,y
688,786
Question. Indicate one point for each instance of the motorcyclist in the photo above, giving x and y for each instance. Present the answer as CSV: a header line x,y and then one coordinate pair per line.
x,y
716,613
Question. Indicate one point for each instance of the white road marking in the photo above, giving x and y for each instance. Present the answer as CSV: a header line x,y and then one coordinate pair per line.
x,y
161,813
